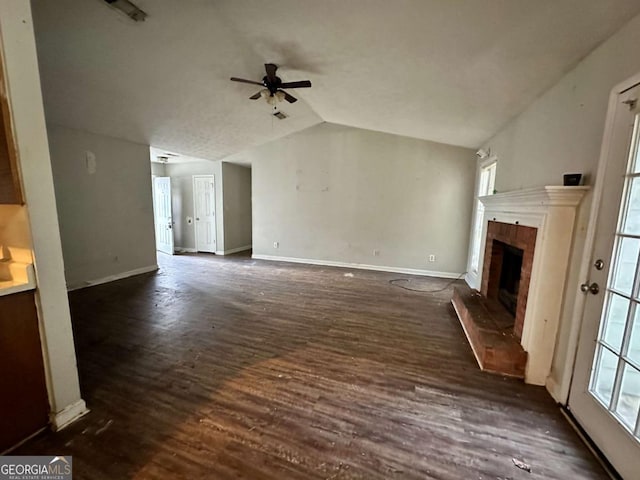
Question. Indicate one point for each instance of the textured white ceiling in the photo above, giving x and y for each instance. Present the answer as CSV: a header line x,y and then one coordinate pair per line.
x,y
452,71
172,158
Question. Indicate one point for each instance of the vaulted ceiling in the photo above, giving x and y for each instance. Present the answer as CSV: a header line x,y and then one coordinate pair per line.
x,y
451,71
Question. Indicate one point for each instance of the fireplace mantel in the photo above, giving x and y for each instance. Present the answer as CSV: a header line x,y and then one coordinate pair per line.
x,y
538,198
551,210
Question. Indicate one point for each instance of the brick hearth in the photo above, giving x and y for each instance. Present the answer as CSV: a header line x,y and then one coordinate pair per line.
x,y
495,346
493,332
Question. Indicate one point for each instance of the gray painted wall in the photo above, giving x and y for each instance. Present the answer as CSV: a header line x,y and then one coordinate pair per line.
x,y
560,133
106,218
182,192
336,193
236,182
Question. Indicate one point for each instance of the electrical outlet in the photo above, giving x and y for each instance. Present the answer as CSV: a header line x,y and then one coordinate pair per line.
x,y
376,252
432,258
276,244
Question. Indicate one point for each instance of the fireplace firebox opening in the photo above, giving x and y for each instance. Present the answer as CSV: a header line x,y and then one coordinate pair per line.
x,y
508,261
509,284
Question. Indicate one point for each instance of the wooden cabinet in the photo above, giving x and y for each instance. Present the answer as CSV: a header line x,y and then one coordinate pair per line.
x,y
10,191
23,394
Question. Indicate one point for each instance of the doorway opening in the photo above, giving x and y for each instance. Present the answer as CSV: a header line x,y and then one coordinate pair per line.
x,y
200,206
163,215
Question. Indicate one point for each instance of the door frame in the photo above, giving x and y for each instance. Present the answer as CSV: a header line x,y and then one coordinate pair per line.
x,y
562,392
473,277
215,210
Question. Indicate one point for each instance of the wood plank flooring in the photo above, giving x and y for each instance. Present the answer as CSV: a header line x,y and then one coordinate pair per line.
x,y
229,368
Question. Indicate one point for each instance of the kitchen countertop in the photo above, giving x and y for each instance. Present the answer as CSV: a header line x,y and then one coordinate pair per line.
x,y
16,277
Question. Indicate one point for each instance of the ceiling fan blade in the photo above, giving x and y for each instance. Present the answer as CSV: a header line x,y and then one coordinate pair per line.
x,y
300,84
289,98
270,68
256,96
242,80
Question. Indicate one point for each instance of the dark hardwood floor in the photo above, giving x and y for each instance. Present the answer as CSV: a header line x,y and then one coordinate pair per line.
x,y
226,367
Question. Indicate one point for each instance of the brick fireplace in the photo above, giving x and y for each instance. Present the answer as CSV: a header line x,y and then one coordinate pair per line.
x,y
511,308
501,241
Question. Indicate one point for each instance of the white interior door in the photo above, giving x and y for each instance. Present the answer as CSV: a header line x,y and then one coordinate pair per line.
x,y
605,393
163,214
205,212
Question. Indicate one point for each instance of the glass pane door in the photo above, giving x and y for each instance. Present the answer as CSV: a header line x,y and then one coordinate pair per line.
x,y
615,378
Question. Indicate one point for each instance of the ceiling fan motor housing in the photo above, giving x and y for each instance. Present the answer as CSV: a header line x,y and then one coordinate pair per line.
x,y
272,85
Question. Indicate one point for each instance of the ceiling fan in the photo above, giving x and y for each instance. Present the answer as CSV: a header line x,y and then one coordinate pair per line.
x,y
274,85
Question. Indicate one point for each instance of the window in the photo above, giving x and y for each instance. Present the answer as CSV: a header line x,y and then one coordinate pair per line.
x,y
486,183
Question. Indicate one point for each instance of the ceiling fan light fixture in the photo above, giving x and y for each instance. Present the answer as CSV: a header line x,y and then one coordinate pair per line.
x,y
272,98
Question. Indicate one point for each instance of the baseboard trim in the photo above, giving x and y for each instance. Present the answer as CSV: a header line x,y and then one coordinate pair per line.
x,y
68,415
234,250
359,266
185,250
113,278
554,390
589,443
472,280
22,442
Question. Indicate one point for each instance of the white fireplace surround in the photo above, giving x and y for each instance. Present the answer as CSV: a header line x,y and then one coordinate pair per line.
x,y
552,210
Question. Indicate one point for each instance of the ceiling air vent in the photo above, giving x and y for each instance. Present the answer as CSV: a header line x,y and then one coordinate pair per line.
x,y
129,9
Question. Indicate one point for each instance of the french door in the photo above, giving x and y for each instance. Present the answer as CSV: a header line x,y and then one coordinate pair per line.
x,y
605,392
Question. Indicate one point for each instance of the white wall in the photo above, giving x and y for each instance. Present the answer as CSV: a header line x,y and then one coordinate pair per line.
x,y
158,169
182,202
24,93
561,133
106,217
335,193
236,181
